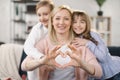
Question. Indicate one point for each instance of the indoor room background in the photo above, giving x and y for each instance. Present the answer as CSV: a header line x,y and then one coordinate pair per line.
x,y
11,30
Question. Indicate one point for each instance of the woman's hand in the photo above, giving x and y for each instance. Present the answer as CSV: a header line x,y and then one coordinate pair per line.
x,y
49,63
76,57
49,58
77,42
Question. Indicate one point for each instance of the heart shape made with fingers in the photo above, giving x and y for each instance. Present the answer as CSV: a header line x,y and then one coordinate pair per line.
x,y
63,60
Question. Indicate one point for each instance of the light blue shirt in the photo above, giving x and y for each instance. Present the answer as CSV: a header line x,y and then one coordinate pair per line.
x,y
110,64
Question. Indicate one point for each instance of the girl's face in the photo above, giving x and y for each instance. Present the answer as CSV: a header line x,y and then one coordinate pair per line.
x,y
44,14
79,25
62,21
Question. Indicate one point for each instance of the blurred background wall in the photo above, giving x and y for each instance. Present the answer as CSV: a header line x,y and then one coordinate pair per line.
x,y
110,8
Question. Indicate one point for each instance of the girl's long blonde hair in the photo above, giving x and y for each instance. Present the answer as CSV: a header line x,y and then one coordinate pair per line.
x,y
42,3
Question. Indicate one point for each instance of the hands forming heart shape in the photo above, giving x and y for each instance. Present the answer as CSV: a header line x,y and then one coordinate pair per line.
x,y
62,60
62,57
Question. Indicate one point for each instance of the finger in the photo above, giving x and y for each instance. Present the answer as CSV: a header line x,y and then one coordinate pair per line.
x,y
80,52
58,53
69,54
77,38
72,47
73,41
47,50
54,51
56,48
57,65
51,68
78,45
62,54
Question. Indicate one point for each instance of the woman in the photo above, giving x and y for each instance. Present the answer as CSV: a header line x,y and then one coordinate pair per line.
x,y
60,33
43,11
84,36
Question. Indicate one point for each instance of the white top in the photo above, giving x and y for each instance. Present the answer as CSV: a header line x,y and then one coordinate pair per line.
x,y
38,32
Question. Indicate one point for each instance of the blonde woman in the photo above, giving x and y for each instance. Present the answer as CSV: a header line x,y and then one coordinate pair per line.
x,y
60,33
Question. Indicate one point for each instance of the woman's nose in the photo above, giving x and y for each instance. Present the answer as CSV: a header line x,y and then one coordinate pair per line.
x,y
61,21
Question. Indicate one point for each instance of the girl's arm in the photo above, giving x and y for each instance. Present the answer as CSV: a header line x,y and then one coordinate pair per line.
x,y
100,50
31,63
33,37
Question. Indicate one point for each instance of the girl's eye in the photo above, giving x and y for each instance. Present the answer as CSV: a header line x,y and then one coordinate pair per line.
x,y
39,15
82,21
46,14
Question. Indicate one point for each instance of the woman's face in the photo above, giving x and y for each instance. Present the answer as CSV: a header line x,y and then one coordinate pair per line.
x,y
62,21
79,25
44,14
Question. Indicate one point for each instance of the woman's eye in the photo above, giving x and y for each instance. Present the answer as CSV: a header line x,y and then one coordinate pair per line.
x,y
57,18
66,18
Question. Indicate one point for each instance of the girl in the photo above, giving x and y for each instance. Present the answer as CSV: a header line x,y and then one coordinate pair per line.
x,y
43,11
84,36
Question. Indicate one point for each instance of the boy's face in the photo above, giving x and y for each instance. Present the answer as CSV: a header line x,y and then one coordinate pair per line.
x,y
44,14
79,25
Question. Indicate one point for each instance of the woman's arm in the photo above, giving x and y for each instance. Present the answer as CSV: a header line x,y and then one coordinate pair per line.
x,y
89,64
91,60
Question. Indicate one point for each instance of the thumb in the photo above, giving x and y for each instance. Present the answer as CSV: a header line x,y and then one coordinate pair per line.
x,y
68,53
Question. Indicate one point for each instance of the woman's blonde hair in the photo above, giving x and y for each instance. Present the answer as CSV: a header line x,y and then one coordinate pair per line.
x,y
51,29
86,34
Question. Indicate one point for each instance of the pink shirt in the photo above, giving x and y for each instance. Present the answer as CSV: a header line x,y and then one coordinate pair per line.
x,y
87,56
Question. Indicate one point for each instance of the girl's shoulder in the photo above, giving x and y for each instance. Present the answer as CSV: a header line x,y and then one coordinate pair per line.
x,y
97,36
38,25
94,33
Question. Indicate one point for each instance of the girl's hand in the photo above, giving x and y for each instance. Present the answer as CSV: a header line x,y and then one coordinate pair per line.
x,y
77,42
